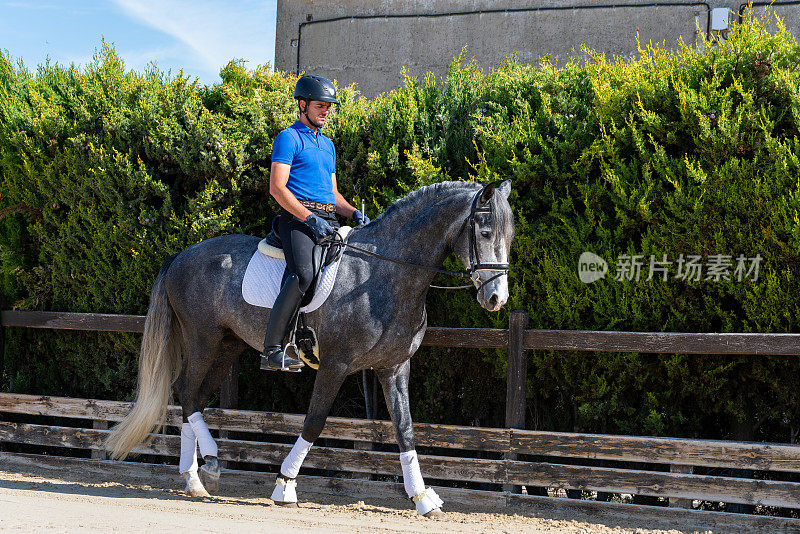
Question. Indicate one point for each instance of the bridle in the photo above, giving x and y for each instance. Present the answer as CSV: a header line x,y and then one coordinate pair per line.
x,y
475,263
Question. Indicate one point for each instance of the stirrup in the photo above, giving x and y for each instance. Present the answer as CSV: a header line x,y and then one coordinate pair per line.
x,y
286,363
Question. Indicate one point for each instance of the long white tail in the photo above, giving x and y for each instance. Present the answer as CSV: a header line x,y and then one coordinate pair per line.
x,y
159,363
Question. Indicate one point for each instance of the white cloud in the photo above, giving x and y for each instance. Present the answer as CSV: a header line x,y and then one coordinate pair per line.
x,y
214,31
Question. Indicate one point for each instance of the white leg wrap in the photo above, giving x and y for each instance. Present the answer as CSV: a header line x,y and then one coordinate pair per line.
x,y
427,501
188,461
193,483
285,491
291,465
208,447
412,476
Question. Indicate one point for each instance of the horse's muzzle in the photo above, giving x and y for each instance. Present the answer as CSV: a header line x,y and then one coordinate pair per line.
x,y
494,295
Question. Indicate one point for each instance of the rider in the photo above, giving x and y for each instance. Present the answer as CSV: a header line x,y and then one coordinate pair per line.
x,y
303,181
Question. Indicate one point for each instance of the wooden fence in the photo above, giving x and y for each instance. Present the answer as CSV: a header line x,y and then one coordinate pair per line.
x,y
683,470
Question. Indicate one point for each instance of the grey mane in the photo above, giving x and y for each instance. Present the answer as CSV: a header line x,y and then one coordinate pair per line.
x,y
442,191
431,197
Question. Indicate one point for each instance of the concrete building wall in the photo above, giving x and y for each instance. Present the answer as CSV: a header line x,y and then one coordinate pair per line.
x,y
368,42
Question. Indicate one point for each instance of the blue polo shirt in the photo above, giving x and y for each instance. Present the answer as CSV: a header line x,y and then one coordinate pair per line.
x,y
313,160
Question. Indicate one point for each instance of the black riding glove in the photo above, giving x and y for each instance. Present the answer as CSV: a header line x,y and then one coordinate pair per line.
x,y
319,226
360,218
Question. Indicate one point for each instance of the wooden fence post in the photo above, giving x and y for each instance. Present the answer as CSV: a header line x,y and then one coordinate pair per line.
x,y
229,395
229,391
516,385
3,352
370,411
2,342
517,370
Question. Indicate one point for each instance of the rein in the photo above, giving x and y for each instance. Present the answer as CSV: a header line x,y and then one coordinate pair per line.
x,y
409,264
475,262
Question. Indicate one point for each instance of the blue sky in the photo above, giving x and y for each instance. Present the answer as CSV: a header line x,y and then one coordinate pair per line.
x,y
198,36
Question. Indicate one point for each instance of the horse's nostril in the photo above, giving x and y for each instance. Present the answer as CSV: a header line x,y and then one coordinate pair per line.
x,y
493,301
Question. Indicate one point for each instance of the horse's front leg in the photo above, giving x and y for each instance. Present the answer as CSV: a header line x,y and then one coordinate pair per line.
x,y
330,377
395,388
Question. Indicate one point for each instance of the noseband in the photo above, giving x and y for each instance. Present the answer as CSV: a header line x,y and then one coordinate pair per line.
x,y
475,263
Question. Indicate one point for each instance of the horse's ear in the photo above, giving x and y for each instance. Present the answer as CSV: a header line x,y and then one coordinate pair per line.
x,y
505,188
487,193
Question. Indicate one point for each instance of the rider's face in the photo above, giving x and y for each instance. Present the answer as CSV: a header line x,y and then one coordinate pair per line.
x,y
317,112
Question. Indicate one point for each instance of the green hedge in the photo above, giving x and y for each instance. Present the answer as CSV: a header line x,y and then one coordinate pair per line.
x,y
106,172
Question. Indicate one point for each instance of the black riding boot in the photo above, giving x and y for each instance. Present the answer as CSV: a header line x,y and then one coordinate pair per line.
x,y
283,311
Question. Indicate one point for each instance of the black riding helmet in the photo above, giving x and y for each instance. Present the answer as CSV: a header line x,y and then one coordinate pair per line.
x,y
315,87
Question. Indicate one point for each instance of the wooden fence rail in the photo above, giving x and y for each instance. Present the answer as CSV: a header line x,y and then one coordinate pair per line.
x,y
517,339
667,451
725,454
496,338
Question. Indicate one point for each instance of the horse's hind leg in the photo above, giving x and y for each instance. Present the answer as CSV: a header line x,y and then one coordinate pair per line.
x,y
188,463
395,388
330,377
199,357
228,350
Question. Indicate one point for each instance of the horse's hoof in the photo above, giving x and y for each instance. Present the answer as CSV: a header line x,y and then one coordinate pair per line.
x,y
194,488
197,492
287,504
436,513
210,480
209,473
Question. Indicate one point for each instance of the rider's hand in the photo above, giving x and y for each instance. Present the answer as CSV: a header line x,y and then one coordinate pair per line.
x,y
360,218
319,226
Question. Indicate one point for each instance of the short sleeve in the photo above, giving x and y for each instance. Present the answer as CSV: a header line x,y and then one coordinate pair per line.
x,y
284,148
333,148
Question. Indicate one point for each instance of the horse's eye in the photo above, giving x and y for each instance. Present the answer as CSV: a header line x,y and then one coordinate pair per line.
x,y
486,233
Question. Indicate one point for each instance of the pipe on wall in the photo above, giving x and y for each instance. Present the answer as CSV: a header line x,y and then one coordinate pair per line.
x,y
507,10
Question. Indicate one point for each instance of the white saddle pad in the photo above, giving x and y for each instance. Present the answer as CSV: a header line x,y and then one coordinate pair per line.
x,y
262,279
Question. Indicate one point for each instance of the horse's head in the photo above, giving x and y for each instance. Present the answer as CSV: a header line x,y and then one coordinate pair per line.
x,y
485,244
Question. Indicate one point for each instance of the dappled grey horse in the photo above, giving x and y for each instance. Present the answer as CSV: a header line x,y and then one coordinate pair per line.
x,y
198,323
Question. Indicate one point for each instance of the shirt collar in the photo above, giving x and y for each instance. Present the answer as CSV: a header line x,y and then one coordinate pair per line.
x,y
302,127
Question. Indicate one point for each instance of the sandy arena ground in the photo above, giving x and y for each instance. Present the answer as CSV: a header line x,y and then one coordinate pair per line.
x,y
35,501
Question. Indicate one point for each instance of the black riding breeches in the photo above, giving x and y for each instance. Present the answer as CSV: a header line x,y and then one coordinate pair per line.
x,y
298,245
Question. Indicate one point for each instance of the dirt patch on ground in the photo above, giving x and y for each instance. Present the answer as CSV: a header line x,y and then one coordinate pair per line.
x,y
37,500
